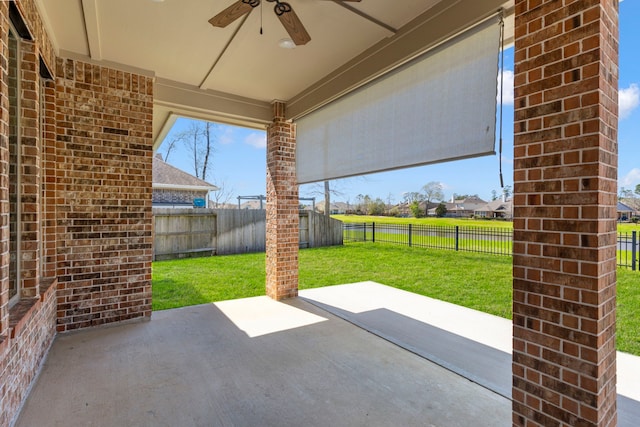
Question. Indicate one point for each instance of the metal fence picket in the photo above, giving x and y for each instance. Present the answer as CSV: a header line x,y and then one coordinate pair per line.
x,y
496,241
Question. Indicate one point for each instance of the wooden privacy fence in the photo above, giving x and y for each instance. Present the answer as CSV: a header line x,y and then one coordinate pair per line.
x,y
189,232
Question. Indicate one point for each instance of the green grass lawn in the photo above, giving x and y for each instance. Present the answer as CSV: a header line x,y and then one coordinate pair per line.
x,y
478,281
466,222
628,227
462,222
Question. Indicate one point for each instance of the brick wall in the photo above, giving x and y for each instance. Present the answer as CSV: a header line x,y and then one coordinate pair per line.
x,y
31,16
177,196
282,208
104,174
28,327
84,166
29,170
4,172
565,209
48,255
31,332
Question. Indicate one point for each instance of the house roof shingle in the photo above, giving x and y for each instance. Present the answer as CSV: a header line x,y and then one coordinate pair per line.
x,y
623,207
497,206
167,176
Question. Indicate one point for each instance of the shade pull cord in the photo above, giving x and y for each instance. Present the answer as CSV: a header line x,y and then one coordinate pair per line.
x,y
260,18
501,98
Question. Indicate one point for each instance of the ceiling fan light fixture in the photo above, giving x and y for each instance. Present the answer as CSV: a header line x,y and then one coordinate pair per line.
x,y
286,43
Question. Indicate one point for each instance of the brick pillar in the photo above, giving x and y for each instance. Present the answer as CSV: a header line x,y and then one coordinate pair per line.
x,y
564,263
282,207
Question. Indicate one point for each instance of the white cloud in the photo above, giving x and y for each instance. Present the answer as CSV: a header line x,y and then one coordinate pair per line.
x,y
507,75
257,140
631,179
226,137
628,100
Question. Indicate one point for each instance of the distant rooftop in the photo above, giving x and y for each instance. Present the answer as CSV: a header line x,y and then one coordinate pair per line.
x,y
167,176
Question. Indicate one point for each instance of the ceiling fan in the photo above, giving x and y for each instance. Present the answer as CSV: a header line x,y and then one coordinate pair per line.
x,y
283,10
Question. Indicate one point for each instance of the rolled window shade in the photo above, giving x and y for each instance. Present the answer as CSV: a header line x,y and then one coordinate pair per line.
x,y
436,108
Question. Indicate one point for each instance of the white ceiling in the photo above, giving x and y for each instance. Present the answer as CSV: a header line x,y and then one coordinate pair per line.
x,y
232,74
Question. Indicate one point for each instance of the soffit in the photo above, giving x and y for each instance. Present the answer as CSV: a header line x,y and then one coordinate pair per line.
x,y
173,40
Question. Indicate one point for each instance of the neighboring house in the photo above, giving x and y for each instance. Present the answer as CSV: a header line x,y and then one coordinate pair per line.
x,y
337,208
173,187
404,209
496,209
633,203
461,208
254,204
625,212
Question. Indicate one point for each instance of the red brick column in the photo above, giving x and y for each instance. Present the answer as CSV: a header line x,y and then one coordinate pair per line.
x,y
282,207
564,264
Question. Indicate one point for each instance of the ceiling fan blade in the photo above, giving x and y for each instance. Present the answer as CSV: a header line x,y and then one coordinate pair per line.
x,y
293,25
231,13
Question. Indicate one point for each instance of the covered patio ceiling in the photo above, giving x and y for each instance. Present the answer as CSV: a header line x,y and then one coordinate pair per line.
x,y
233,74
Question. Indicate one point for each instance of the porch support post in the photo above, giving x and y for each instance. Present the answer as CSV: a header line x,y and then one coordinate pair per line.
x,y
565,185
282,207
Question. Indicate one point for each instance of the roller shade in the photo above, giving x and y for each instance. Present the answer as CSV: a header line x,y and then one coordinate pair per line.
x,y
439,107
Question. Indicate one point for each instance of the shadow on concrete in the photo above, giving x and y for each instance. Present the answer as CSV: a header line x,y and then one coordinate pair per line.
x,y
202,366
482,364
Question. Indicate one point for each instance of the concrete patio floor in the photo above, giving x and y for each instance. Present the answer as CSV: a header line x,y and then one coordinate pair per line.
x,y
350,355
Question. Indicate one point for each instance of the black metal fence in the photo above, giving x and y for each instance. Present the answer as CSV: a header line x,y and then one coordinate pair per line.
x,y
497,241
628,250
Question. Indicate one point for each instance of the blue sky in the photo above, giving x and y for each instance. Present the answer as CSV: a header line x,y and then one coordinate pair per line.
x,y
240,156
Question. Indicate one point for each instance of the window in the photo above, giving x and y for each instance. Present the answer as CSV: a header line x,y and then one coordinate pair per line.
x,y
14,167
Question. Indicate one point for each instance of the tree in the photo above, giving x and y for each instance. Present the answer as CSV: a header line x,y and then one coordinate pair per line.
x,y
376,207
637,190
366,204
441,210
327,199
506,191
624,193
432,191
199,139
223,195
363,204
494,195
412,196
464,196
390,200
208,147
327,189
170,146
414,207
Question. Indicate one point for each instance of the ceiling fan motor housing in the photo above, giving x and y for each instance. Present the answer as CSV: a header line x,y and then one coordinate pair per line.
x,y
280,7
252,3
